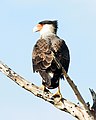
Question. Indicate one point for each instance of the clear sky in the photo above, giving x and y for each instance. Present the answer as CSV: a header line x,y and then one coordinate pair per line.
x,y
77,26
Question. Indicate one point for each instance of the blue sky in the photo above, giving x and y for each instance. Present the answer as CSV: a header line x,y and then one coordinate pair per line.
x,y
77,26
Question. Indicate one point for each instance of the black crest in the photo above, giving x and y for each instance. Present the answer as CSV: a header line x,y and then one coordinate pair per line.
x,y
54,23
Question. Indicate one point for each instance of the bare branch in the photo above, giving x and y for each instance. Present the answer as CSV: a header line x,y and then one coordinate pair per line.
x,y
75,89
73,86
93,108
63,104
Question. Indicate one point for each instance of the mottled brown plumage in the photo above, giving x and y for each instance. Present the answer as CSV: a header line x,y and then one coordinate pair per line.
x,y
43,59
46,51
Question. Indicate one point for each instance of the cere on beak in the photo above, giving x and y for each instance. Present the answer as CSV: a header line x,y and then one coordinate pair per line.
x,y
37,28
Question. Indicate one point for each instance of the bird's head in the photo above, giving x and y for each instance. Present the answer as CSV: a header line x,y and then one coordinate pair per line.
x,y
46,27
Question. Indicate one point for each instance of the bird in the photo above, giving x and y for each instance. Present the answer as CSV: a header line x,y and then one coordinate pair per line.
x,y
49,48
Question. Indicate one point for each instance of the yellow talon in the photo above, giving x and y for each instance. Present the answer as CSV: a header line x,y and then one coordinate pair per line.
x,y
57,96
42,87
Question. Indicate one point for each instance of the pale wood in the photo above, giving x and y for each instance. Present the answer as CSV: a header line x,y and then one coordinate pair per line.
x,y
80,113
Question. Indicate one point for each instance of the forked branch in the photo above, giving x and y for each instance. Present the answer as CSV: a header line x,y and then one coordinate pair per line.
x,y
78,112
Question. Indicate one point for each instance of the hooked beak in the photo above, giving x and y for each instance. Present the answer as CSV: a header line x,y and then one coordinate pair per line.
x,y
37,28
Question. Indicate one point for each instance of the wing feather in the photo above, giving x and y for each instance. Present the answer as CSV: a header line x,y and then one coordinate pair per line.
x,y
42,56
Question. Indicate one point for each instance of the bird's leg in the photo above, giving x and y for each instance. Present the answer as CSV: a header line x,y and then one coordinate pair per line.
x,y
42,87
57,96
58,93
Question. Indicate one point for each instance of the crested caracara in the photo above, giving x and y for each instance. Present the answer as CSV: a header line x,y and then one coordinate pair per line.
x,y
48,47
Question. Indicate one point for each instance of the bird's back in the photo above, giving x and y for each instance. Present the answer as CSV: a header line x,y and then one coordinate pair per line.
x,y
43,59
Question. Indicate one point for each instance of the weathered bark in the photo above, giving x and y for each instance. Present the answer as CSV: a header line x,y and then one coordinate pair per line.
x,y
81,113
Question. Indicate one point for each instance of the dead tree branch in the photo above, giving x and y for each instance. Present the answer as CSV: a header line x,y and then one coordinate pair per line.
x,y
78,112
93,108
73,86
75,89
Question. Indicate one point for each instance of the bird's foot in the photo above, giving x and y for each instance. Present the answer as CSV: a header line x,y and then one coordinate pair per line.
x,y
57,97
43,88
